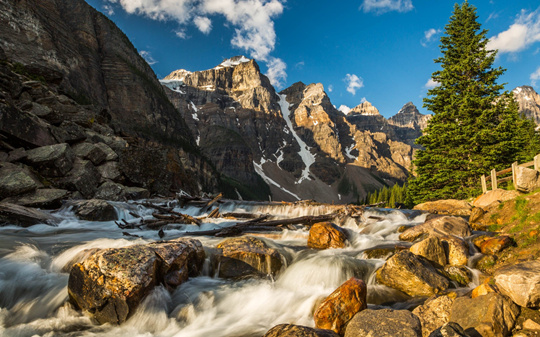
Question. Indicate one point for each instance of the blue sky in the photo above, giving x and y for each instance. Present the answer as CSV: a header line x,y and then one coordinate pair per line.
x,y
376,50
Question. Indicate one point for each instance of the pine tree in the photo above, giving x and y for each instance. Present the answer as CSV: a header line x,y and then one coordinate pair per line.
x,y
474,127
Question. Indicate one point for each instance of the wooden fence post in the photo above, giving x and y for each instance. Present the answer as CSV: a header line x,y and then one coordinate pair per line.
x,y
537,162
514,174
483,181
493,180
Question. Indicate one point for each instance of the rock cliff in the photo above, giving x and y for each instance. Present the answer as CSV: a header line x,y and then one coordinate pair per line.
x,y
529,102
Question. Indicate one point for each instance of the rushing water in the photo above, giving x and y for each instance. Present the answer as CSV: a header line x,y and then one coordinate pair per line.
x,y
33,279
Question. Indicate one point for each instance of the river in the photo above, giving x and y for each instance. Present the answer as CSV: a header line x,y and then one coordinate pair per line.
x,y
33,278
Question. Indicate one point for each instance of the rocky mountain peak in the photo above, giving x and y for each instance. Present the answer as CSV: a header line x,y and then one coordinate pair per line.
x,y
178,75
409,109
529,102
233,62
366,109
409,116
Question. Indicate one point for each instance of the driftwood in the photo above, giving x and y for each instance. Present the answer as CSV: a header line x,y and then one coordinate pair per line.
x,y
209,204
214,213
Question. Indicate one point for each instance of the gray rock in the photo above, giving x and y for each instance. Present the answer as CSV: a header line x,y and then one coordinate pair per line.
x,y
68,132
15,181
11,214
47,198
291,330
84,177
24,127
491,315
52,161
95,210
110,153
111,191
136,193
91,152
527,180
384,323
110,171
434,313
521,282
17,155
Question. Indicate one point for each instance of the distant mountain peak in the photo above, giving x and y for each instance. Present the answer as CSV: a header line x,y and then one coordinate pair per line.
x,y
233,62
529,102
365,109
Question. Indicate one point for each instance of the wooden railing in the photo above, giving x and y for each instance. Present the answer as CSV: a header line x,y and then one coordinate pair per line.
x,y
494,176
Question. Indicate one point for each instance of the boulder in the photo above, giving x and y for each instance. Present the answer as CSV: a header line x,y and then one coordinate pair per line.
x,y
384,251
291,330
111,283
11,214
337,309
460,274
491,315
110,154
110,171
68,132
476,215
15,181
111,191
485,263
527,180
136,193
493,245
325,235
449,329
95,210
24,127
84,178
16,155
440,226
91,152
47,198
412,274
247,256
497,195
521,282
434,313
446,207
51,161
457,250
432,249
384,323
482,290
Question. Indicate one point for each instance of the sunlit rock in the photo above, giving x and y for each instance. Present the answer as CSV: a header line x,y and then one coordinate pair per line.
x,y
291,330
446,207
434,313
521,282
384,323
432,249
325,235
440,226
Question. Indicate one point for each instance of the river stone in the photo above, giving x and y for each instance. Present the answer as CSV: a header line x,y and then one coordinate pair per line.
x,y
384,323
446,207
450,329
91,152
12,214
111,283
52,161
491,315
440,226
325,235
412,274
291,330
95,210
521,282
434,313
337,309
457,250
460,274
432,249
47,198
15,181
482,290
247,256
493,245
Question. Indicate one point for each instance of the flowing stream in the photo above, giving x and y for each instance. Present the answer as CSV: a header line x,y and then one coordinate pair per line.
x,y
33,278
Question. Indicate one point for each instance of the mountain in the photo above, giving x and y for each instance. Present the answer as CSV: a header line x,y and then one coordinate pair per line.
x,y
295,140
529,102
70,76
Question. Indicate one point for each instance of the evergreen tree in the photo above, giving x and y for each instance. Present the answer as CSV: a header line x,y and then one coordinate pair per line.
x,y
474,127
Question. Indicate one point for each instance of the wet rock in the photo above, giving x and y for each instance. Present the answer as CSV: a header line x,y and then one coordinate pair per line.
x,y
445,225
136,193
246,257
384,323
91,152
449,329
491,315
84,178
521,282
11,214
457,250
432,249
15,181
111,283
325,235
111,191
446,207
52,161
337,309
482,290
460,274
383,252
412,274
291,330
493,245
434,313
47,198
495,196
486,263
95,210
110,171
527,179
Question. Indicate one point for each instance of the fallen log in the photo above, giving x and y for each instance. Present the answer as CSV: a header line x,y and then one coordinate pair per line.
x,y
206,207
214,213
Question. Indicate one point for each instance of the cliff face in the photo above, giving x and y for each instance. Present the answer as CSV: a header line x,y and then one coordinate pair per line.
x,y
529,102
81,56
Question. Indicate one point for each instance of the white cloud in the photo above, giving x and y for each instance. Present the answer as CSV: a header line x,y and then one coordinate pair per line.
x,y
181,33
492,16
524,32
363,100
203,23
300,65
277,72
535,77
353,83
429,36
330,88
108,9
431,83
345,109
148,57
383,6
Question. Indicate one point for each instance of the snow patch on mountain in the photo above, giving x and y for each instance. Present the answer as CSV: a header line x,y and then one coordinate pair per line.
x,y
232,62
268,180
